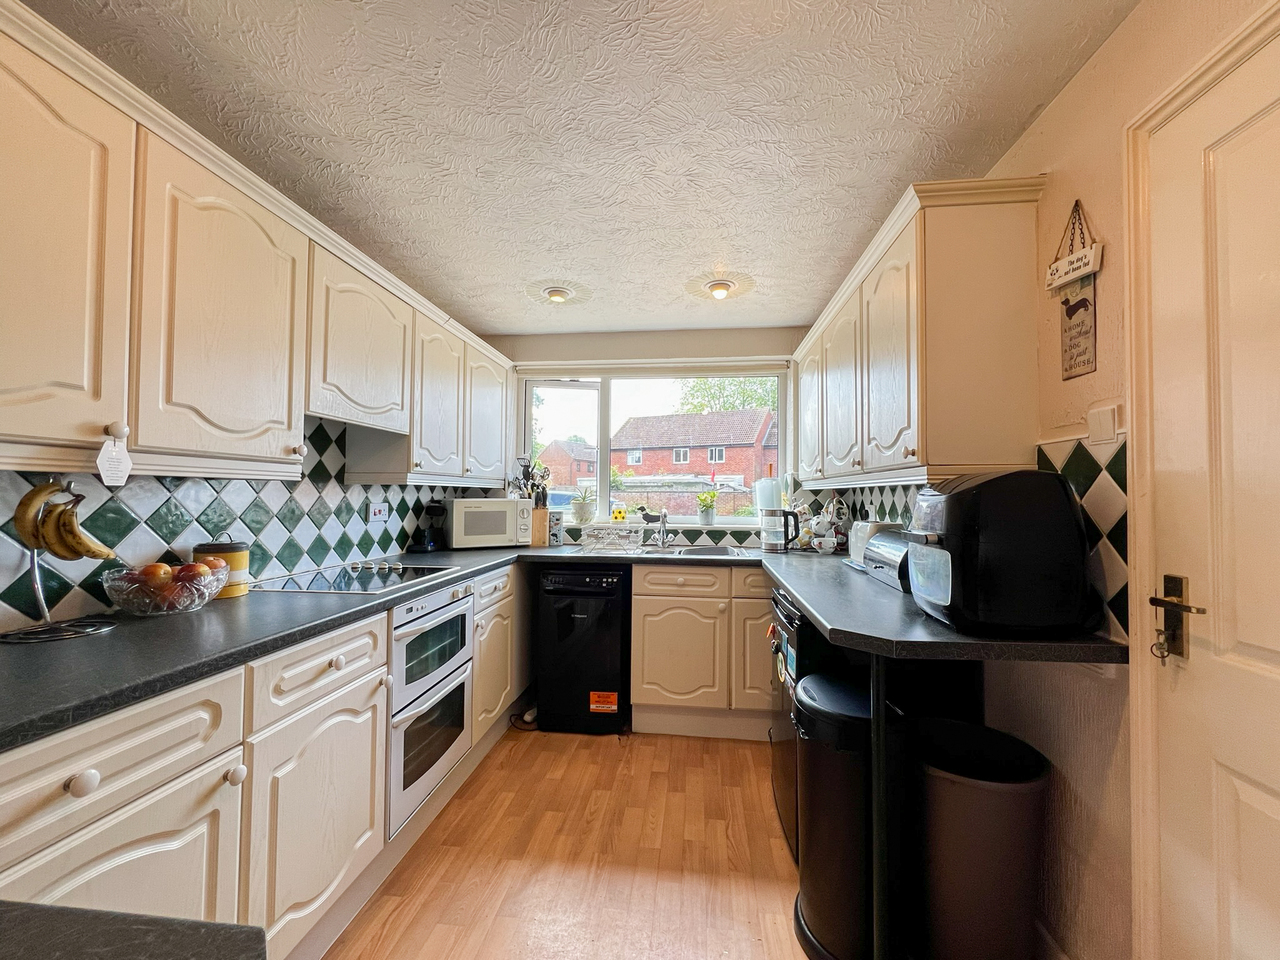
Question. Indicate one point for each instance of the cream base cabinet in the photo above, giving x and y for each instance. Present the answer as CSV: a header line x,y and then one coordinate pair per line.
x,y
220,324
315,809
680,652
66,199
359,347
493,665
486,395
752,659
173,852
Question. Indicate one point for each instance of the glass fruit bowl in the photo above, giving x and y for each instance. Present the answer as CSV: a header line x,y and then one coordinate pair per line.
x,y
151,591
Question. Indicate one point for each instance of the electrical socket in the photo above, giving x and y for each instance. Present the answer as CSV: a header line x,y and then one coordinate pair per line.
x,y
377,510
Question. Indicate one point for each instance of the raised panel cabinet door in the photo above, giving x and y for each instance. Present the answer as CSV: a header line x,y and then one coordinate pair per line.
x,y
890,312
440,403
315,810
173,852
359,347
492,682
809,413
841,391
220,319
680,652
752,660
66,200
486,417
521,634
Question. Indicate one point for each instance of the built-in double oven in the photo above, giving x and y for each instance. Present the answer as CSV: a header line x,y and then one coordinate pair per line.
x,y
431,648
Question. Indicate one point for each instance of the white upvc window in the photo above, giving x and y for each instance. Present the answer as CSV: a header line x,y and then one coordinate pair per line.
x,y
715,455
680,455
633,458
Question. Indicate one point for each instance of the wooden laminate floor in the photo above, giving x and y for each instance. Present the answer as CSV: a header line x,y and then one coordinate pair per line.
x,y
564,846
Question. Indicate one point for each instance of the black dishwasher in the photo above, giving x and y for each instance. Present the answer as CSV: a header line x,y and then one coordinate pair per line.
x,y
582,650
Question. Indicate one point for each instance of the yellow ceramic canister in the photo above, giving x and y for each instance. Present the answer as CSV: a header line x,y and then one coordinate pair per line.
x,y
236,554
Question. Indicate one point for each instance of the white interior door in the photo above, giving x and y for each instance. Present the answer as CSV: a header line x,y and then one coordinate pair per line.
x,y
1215,445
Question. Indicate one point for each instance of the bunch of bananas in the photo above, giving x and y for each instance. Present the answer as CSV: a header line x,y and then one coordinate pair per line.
x,y
45,524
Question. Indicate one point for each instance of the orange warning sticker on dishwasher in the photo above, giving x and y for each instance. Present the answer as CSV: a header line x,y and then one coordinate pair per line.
x,y
604,702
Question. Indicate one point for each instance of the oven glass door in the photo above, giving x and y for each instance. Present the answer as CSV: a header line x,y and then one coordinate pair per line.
x,y
427,650
427,738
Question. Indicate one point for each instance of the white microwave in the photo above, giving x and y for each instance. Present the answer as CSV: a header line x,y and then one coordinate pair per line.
x,y
480,522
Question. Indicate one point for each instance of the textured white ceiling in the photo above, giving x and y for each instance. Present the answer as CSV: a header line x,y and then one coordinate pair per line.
x,y
479,146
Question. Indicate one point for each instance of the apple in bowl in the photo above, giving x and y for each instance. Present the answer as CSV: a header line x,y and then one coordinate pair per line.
x,y
157,588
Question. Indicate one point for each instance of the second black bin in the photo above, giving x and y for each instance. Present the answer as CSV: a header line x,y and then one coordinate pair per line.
x,y
833,726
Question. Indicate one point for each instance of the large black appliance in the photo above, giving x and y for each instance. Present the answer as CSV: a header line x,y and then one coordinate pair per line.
x,y
582,649
799,649
1002,553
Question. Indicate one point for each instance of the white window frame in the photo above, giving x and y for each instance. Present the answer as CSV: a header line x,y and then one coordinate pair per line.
x,y
593,376
711,455
675,456
634,458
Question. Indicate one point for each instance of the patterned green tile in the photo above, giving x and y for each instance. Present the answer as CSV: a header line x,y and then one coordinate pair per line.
x,y
1091,532
385,541
320,512
1043,462
171,483
365,543
741,536
1081,469
318,550
402,538
290,553
11,531
319,440
715,536
1118,537
218,484
258,485
92,584
112,522
259,557
402,509
216,517
343,545
341,443
1119,607
169,520
319,475
291,514
1118,467
22,597
257,515
344,511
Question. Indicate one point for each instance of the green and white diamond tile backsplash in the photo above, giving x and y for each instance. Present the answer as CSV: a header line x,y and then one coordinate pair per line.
x,y
290,525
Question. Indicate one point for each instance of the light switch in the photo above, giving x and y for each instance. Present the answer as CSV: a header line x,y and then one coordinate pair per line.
x,y
1102,425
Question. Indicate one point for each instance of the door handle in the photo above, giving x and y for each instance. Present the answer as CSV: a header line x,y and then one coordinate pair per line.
x,y
1172,637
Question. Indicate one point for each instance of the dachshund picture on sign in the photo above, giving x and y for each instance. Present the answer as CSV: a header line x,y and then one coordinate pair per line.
x,y
1077,305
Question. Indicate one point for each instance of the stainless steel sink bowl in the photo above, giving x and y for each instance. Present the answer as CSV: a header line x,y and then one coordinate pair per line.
x,y
720,550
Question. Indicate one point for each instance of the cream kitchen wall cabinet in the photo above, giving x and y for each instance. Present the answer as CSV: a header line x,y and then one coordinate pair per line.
x,y
219,323
493,665
680,652
66,202
487,400
359,347
939,376
173,852
438,429
315,813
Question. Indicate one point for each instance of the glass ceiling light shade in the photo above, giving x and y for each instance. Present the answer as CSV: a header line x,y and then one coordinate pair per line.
x,y
720,288
557,292
720,285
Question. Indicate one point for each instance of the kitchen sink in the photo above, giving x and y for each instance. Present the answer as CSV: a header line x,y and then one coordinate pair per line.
x,y
716,551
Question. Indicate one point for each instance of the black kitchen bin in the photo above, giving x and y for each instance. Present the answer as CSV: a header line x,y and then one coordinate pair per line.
x,y
833,726
983,819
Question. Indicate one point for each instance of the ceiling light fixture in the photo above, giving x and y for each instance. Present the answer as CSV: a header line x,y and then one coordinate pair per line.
x,y
719,288
558,294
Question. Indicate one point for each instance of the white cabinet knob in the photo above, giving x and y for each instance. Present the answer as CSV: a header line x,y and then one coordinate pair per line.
x,y
339,662
679,581
300,450
116,430
236,775
908,453
417,464
724,607
388,681
466,470
83,784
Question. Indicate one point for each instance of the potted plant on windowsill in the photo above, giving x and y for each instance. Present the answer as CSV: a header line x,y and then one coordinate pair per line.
x,y
583,504
707,507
